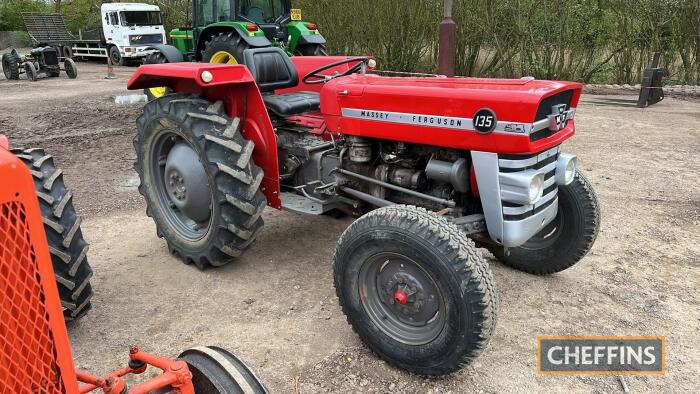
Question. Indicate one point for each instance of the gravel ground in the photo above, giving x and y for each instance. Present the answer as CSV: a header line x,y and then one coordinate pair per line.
x,y
276,306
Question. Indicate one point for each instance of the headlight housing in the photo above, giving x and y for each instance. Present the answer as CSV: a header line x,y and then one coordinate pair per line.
x,y
523,187
566,169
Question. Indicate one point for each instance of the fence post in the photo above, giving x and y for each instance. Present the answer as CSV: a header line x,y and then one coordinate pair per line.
x,y
448,42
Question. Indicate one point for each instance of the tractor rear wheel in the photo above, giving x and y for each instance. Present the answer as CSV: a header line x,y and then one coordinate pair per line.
x,y
215,370
201,187
311,50
416,289
10,65
566,240
67,247
160,91
225,48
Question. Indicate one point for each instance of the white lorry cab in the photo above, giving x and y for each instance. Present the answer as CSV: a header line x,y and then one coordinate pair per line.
x,y
129,32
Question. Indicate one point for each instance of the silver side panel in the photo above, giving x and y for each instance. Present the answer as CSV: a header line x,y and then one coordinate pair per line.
x,y
486,170
512,233
516,233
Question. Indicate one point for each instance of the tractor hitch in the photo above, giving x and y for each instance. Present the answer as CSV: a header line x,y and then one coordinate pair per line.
x,y
175,375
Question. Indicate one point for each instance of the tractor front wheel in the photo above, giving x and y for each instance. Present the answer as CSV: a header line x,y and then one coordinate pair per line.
x,y
67,247
10,65
31,71
566,240
201,187
225,48
70,67
416,289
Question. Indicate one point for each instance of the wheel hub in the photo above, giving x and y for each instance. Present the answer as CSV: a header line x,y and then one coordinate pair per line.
x,y
186,183
402,298
405,294
177,185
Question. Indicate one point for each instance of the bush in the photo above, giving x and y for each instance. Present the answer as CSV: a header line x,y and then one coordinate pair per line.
x,y
587,40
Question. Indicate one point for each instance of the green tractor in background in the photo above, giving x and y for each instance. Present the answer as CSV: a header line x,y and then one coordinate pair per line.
x,y
223,29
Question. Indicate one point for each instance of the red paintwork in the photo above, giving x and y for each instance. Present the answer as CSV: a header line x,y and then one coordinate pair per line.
x,y
513,100
174,374
36,352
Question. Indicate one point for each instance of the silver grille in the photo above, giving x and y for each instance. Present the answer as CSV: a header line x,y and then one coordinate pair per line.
x,y
543,161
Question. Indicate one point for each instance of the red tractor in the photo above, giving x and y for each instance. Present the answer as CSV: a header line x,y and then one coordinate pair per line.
x,y
436,165
35,355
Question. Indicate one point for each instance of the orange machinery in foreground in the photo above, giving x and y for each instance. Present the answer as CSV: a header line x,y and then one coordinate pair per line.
x,y
36,356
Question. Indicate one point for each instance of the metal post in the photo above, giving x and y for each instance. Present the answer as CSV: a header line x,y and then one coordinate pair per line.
x,y
448,42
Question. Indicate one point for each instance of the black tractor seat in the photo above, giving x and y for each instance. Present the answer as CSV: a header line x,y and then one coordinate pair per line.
x,y
273,70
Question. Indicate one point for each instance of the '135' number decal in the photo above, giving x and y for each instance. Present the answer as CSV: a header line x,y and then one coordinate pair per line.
x,y
484,121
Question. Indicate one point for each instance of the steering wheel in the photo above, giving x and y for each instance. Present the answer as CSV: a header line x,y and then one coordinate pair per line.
x,y
315,76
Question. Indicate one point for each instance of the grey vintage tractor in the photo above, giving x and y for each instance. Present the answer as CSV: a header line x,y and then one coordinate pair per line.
x,y
41,60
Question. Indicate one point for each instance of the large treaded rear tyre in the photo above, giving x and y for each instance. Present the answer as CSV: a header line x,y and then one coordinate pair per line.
x,y
229,43
66,244
311,50
231,179
566,240
10,65
215,370
450,268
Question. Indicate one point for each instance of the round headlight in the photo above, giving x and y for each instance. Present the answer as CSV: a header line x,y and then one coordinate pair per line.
x,y
535,191
570,171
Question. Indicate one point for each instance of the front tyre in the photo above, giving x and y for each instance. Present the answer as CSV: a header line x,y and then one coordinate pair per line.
x,y
201,187
115,56
31,71
566,240
415,289
71,68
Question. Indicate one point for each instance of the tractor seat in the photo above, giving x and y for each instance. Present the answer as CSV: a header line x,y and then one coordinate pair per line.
x,y
273,70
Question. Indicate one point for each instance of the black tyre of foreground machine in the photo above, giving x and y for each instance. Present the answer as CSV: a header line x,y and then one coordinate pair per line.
x,y
67,247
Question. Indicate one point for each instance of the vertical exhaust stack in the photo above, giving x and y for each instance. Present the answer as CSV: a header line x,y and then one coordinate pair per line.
x,y
448,42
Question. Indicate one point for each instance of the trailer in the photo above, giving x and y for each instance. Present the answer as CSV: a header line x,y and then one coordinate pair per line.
x,y
127,34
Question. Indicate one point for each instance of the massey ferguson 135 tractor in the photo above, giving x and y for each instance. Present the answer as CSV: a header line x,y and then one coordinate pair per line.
x,y
35,355
438,164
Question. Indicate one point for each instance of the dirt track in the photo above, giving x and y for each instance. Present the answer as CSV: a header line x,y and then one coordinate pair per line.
x,y
276,306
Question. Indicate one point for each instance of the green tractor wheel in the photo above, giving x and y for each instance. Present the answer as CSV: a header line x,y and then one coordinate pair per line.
x,y
311,50
225,48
